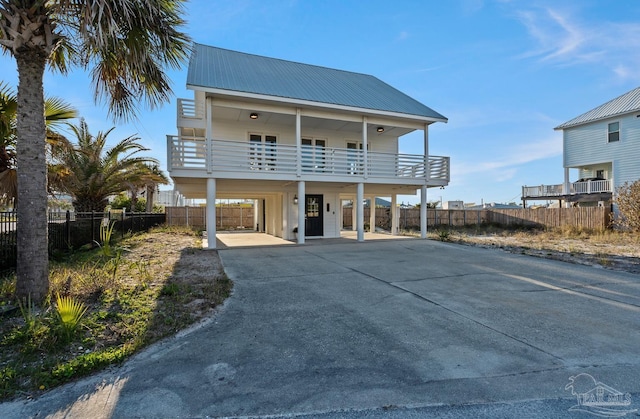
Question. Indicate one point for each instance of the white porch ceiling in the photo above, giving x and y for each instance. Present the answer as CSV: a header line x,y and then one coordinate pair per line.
x,y
307,122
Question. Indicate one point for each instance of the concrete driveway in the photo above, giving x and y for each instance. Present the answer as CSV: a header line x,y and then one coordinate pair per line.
x,y
406,328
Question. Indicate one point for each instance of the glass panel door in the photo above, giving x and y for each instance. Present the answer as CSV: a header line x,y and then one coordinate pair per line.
x,y
313,155
255,151
262,152
270,152
314,222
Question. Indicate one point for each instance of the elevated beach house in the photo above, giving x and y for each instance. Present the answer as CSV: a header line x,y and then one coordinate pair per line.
x,y
297,139
603,146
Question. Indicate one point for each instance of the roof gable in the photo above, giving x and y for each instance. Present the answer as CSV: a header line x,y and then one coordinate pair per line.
x,y
627,103
217,68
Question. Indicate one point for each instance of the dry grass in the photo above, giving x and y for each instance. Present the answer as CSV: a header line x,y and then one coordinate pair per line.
x,y
610,249
150,286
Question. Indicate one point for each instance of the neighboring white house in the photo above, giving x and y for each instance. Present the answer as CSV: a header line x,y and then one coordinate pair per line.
x,y
603,146
299,140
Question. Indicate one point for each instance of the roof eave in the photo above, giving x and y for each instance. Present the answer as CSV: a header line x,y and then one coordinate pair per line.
x,y
591,121
303,102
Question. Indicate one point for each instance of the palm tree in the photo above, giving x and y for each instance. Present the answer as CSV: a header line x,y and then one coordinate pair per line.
x,y
156,177
150,176
125,43
55,111
8,111
90,173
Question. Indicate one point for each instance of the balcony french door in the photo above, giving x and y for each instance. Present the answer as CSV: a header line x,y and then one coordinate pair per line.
x,y
354,157
313,155
262,154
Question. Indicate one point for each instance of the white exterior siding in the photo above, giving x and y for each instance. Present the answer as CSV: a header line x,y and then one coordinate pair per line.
x,y
586,147
232,131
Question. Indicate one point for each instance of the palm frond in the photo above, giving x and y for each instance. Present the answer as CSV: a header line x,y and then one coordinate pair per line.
x,y
95,173
57,110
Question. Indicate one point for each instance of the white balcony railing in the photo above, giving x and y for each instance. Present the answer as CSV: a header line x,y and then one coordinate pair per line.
x,y
190,109
575,188
591,186
229,157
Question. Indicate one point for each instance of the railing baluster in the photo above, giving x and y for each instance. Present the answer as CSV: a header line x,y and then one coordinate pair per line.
x,y
240,156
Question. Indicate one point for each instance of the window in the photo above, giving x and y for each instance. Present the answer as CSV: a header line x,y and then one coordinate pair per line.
x,y
614,132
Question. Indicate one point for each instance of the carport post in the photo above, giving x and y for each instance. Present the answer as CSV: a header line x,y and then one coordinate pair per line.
x,y
423,212
372,214
394,215
360,211
211,213
302,201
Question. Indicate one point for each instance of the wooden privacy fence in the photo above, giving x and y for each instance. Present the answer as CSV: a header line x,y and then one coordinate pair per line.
x,y
595,218
228,217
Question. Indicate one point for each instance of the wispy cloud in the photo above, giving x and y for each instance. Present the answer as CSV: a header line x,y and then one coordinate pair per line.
x,y
565,38
403,35
470,7
556,37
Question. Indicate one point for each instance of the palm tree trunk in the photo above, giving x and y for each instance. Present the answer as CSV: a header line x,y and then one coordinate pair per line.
x,y
33,260
151,189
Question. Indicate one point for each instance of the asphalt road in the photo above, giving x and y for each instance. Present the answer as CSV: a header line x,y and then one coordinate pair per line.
x,y
384,329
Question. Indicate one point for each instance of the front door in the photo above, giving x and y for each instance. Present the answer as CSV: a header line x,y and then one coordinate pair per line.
x,y
314,225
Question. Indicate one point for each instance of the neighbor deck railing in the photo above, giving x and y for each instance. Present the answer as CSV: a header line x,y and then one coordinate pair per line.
x,y
575,188
195,153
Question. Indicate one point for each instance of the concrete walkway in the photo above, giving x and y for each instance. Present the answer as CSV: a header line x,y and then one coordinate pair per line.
x,y
389,328
233,239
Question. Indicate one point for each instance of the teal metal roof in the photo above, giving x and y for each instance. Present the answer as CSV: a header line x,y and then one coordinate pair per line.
x,y
217,68
627,103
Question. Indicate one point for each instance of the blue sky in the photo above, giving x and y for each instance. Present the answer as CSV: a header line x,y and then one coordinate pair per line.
x,y
505,73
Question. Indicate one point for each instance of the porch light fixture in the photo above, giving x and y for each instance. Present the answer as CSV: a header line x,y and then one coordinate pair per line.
x,y
253,115
295,199
380,129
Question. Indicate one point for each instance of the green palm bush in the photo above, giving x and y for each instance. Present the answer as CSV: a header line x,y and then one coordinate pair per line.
x,y
70,313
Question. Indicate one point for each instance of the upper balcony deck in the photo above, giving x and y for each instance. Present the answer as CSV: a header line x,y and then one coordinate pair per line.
x,y
199,157
576,188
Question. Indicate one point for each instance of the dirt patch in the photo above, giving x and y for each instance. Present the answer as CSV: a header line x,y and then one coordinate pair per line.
x,y
616,251
179,263
137,291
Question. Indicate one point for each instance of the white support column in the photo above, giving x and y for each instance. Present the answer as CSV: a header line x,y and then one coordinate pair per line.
x,y
286,208
372,214
302,201
360,211
394,215
211,213
365,151
209,133
256,227
566,188
423,212
299,147
427,169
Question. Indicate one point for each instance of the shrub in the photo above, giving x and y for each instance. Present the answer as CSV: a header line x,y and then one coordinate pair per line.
x,y
70,312
444,235
628,201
